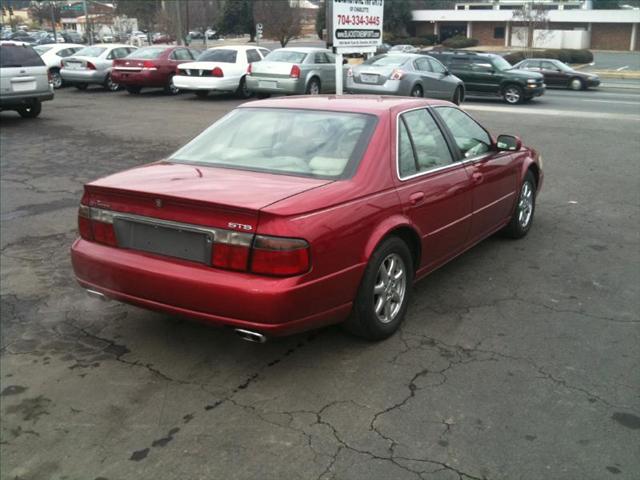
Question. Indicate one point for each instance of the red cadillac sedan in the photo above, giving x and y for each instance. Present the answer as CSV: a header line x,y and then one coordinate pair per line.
x,y
294,213
152,67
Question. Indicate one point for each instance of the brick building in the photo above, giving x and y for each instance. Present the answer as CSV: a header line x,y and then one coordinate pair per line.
x,y
568,24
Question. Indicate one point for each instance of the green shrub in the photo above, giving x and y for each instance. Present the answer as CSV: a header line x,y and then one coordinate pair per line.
x,y
423,41
460,41
567,55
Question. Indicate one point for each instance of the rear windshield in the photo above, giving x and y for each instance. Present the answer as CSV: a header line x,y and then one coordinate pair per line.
x,y
218,55
387,60
306,143
90,52
286,56
19,56
41,49
148,53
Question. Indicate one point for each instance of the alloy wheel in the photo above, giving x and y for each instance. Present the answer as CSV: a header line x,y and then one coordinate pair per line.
x,y
111,85
390,288
314,88
56,79
512,95
576,84
525,205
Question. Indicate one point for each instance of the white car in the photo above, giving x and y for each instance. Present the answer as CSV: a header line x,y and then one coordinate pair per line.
x,y
219,69
52,55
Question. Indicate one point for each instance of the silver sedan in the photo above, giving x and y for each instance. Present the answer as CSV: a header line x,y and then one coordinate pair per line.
x,y
92,65
406,75
293,71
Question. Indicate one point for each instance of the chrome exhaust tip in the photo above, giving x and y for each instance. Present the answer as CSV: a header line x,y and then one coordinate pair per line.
x,y
96,294
250,336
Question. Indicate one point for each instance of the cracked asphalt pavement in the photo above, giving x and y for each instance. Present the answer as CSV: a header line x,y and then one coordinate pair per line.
x,y
518,360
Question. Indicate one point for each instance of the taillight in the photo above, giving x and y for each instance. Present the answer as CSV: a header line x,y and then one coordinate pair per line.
x,y
350,72
149,65
217,72
396,74
231,250
91,66
295,72
249,70
96,225
279,256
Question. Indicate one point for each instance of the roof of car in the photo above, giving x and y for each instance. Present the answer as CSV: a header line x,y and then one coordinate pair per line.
x,y
303,49
240,48
540,59
375,104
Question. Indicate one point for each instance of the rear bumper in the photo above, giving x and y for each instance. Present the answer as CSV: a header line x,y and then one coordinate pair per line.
x,y
186,82
24,99
390,87
276,85
148,78
83,76
273,306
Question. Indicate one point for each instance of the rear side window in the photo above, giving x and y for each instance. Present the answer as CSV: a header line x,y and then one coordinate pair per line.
x,y
470,137
320,57
181,54
91,51
147,53
264,52
19,56
429,149
422,64
437,66
460,63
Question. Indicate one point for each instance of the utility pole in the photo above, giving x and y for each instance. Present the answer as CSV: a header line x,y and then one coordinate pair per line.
x,y
53,22
86,22
180,38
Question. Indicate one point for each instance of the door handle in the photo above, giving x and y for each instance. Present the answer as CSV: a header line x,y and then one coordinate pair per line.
x,y
417,197
477,177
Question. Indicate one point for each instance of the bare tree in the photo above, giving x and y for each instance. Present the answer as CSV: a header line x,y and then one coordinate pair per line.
x,y
534,22
280,20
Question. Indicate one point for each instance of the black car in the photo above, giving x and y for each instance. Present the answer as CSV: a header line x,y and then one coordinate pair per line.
x,y
559,74
486,74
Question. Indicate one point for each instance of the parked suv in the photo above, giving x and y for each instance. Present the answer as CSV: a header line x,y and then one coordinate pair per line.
x,y
24,80
486,74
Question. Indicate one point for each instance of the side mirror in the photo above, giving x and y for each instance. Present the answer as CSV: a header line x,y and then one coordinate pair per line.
x,y
508,143
447,72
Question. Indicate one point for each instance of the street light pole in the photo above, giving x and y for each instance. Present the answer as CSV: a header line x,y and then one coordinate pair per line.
x,y
180,39
53,22
86,22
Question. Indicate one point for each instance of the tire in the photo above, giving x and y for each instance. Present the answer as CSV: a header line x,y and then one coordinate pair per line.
x,y
170,88
512,94
202,93
576,84
242,91
313,87
110,84
522,218
134,90
56,78
457,96
81,86
380,305
417,91
30,111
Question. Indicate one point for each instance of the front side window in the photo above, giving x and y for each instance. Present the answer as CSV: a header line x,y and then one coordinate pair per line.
x,y
470,137
421,145
279,141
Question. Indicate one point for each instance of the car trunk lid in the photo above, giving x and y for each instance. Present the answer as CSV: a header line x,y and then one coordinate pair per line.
x,y
267,69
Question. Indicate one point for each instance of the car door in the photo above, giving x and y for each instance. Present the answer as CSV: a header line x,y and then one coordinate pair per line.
x,y
433,185
178,56
494,174
325,71
552,74
484,76
431,83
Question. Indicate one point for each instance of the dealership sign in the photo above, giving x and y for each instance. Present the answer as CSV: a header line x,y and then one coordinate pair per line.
x,y
357,23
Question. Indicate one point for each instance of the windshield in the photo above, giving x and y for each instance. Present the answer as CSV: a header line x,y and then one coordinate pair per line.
x,y
42,48
386,60
218,55
147,53
286,56
300,142
501,64
90,52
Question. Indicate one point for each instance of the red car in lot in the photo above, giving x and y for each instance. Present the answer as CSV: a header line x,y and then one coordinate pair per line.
x,y
293,213
152,67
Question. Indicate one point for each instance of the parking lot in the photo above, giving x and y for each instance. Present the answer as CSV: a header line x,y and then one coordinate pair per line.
x,y
518,360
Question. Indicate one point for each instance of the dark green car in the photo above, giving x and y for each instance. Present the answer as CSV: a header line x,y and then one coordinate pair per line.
x,y
486,74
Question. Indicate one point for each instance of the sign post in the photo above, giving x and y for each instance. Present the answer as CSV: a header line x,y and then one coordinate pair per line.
x,y
356,27
259,27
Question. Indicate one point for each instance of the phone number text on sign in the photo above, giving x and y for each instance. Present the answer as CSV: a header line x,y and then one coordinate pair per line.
x,y
358,20
357,23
